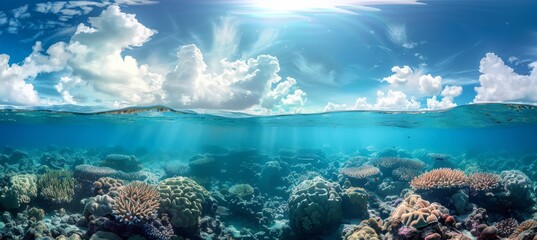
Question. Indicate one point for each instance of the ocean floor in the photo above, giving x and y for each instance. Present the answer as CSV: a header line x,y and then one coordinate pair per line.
x,y
113,193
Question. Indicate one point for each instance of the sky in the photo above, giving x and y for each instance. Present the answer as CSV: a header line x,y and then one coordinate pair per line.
x,y
267,57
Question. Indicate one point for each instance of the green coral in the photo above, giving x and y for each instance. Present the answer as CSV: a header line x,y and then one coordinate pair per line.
x,y
355,201
57,186
21,189
184,199
314,205
241,190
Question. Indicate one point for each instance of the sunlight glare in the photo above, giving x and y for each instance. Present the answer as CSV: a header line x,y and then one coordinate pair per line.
x,y
294,5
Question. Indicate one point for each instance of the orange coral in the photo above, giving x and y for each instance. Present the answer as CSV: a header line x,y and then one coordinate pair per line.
x,y
416,212
441,178
137,201
484,181
359,172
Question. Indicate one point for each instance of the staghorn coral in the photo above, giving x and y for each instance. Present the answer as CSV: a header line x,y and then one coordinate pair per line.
x,y
314,205
57,186
416,212
21,189
359,172
397,162
183,198
241,190
506,227
441,178
125,163
138,201
106,185
483,182
405,174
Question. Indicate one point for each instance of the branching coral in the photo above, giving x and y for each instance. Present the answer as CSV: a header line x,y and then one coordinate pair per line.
x,y
359,172
136,202
506,227
482,182
57,186
442,178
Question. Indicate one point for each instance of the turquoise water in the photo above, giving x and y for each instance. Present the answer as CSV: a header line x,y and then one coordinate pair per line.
x,y
259,175
493,127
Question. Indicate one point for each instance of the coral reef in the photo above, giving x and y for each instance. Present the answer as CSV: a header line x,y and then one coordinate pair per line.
x,y
138,201
314,205
21,189
57,186
183,199
506,227
484,182
106,185
241,190
354,202
443,178
359,172
416,212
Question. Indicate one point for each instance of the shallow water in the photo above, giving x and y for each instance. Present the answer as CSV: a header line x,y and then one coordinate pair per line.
x,y
475,138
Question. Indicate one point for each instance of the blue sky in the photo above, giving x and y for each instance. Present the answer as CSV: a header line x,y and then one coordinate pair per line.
x,y
268,57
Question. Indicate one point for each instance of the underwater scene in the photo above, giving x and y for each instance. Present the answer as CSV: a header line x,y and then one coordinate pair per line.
x,y
268,119
156,173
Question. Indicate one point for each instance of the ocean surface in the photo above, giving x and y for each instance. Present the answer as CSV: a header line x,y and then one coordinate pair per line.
x,y
259,177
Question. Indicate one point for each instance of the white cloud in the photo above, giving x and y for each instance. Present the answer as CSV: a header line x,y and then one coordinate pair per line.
x,y
97,57
315,72
398,36
63,87
448,94
21,12
395,101
414,82
3,18
14,88
499,82
135,2
333,107
237,85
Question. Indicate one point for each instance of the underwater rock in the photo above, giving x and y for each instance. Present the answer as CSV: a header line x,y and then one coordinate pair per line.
x,y
21,189
17,156
272,176
389,187
314,206
477,217
120,162
101,235
460,201
183,199
36,213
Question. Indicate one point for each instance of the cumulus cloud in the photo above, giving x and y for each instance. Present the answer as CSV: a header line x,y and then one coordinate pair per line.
x,y
14,86
97,57
386,101
448,94
237,85
415,82
500,83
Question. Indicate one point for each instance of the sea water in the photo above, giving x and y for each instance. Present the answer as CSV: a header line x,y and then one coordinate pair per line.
x,y
475,138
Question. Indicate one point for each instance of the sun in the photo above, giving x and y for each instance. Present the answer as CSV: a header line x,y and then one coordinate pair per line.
x,y
294,5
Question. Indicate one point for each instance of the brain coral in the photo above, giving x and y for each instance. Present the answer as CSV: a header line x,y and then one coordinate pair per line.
x,y
57,186
482,182
314,205
106,185
136,202
355,201
21,189
359,172
416,212
183,198
441,178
